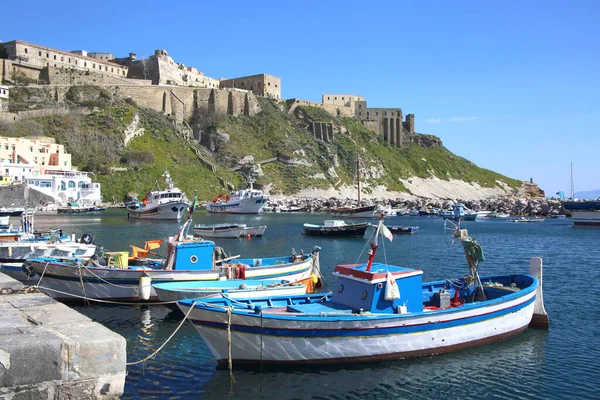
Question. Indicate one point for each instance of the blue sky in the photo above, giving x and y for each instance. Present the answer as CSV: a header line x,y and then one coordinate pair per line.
x,y
512,86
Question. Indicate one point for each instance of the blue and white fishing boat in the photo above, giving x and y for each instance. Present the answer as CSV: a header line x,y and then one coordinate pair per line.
x,y
376,312
188,259
233,289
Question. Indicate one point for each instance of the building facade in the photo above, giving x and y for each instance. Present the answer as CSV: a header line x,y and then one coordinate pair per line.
x,y
42,153
261,85
387,122
342,100
37,57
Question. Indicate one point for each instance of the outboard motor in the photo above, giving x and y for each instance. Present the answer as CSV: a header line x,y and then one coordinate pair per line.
x,y
86,239
27,270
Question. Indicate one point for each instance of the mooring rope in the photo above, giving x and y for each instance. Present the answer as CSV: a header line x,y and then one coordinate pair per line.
x,y
43,272
129,303
166,341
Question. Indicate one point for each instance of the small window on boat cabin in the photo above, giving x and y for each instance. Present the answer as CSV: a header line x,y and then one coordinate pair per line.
x,y
162,196
155,197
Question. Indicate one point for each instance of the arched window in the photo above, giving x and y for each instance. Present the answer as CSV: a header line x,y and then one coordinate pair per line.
x,y
63,185
80,184
71,185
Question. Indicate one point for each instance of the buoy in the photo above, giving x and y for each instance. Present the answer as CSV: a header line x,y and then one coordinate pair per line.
x,y
314,278
145,287
248,236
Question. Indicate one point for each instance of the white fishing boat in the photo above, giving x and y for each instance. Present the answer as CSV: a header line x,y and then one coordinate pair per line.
x,y
228,230
375,312
234,288
245,201
187,260
16,245
167,204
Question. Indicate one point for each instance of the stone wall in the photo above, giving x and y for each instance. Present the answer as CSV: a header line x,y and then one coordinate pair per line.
x,y
11,70
330,108
323,131
21,195
68,76
21,115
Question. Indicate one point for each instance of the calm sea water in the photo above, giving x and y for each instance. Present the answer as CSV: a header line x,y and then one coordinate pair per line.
x,y
555,364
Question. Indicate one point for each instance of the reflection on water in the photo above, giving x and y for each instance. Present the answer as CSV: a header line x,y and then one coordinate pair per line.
x,y
559,363
469,374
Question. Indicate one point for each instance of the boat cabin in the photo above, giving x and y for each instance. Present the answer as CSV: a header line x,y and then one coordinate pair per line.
x,y
194,255
458,210
328,223
364,291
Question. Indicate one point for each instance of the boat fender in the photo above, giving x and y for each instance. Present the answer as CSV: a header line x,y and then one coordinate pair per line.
x,y
145,287
242,271
314,278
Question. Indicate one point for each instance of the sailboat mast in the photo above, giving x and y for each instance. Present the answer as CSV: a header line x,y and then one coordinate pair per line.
x,y
358,175
572,185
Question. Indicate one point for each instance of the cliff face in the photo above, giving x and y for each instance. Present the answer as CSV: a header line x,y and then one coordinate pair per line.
x,y
287,154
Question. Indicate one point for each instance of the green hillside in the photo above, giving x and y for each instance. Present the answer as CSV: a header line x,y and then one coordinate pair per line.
x,y
96,144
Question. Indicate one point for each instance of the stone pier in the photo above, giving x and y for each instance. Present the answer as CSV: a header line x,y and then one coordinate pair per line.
x,y
49,351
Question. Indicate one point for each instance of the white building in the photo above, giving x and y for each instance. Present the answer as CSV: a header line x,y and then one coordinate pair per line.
x,y
3,92
66,186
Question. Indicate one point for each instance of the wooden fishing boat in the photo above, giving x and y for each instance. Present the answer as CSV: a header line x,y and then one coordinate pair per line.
x,y
375,312
336,228
229,230
187,260
404,229
233,289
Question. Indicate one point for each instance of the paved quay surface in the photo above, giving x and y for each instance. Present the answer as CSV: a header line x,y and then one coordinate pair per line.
x,y
48,350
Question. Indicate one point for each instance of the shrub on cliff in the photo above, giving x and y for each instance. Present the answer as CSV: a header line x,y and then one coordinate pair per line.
x,y
138,159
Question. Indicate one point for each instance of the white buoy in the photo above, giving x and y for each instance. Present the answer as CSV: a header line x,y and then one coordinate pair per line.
x,y
145,287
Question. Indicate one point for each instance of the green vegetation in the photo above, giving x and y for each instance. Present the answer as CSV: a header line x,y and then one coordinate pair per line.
x,y
96,142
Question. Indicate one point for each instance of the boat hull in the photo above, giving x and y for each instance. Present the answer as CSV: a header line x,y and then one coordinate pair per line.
x,y
230,232
65,281
321,339
586,218
355,212
166,211
354,230
253,205
232,289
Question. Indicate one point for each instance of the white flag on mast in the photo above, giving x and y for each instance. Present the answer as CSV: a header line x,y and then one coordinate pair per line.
x,y
386,232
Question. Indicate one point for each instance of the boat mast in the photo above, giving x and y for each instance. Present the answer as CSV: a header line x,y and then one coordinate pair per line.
x,y
374,245
572,185
357,167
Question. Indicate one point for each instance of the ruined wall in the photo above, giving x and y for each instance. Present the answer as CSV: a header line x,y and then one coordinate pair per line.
x,y
15,69
409,124
323,131
330,108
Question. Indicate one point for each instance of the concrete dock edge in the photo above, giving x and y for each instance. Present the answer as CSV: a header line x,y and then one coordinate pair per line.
x,y
48,350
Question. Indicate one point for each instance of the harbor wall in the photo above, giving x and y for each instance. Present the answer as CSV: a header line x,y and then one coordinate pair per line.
x,y
22,195
49,351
